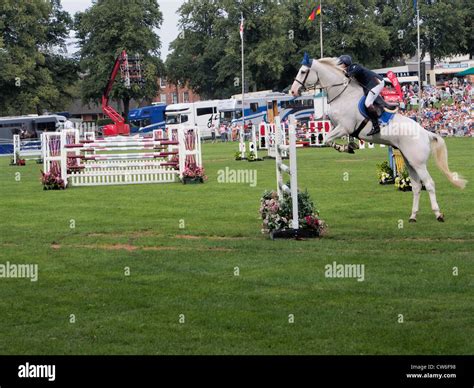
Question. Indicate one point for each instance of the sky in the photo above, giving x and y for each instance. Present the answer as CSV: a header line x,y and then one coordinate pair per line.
x,y
168,32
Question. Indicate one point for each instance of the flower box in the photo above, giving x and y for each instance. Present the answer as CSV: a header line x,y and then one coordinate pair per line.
x,y
192,180
297,234
276,214
388,181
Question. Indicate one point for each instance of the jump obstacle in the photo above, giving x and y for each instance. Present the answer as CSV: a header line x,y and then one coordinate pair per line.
x,y
253,144
363,145
97,162
318,132
396,161
270,131
287,149
27,149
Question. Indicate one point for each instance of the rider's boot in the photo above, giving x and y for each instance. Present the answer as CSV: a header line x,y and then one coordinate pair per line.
x,y
374,117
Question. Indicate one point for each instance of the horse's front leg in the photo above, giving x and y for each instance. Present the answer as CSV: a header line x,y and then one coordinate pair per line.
x,y
337,133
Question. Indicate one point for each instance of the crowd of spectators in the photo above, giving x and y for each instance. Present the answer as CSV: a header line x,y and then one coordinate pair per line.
x,y
447,110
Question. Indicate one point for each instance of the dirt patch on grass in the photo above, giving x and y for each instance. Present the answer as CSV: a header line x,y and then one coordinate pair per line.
x,y
125,234
349,160
215,238
134,248
213,249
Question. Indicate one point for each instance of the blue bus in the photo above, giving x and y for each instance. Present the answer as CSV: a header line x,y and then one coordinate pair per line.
x,y
147,118
258,108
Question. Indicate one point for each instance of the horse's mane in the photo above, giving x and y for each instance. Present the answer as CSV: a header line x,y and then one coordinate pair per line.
x,y
331,62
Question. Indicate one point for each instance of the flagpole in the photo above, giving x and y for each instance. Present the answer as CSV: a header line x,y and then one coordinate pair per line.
x,y
321,26
243,73
419,56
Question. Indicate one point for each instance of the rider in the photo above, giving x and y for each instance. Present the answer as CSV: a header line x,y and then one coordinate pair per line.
x,y
372,84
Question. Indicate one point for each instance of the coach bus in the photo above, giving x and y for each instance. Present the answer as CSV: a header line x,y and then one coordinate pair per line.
x,y
28,127
147,118
257,110
201,114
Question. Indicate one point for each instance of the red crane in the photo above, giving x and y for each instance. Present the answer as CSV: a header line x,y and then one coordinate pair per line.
x,y
119,127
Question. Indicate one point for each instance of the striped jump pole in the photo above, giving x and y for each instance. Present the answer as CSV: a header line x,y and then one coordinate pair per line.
x,y
291,169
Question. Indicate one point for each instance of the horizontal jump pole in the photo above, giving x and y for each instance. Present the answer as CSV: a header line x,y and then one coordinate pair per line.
x,y
128,164
30,146
122,156
285,189
120,173
123,144
284,168
118,167
130,148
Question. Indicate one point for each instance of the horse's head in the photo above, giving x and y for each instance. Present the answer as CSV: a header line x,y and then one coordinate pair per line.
x,y
306,76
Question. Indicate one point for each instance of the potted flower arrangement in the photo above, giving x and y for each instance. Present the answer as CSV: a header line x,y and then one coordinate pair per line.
x,y
238,155
403,182
385,174
277,216
193,174
19,161
52,181
251,157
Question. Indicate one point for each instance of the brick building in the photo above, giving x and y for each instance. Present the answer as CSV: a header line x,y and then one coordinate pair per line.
x,y
175,94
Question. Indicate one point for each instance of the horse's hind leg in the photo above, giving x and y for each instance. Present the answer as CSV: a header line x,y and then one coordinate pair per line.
x,y
416,188
425,177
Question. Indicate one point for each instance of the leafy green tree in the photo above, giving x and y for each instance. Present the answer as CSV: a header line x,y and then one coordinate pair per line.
x,y
107,28
398,19
468,7
207,54
443,28
31,35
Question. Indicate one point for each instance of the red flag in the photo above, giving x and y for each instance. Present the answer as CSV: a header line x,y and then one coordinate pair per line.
x,y
394,80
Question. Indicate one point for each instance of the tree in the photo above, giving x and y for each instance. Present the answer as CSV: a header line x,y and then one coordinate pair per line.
x,y
443,30
207,54
31,34
107,28
398,19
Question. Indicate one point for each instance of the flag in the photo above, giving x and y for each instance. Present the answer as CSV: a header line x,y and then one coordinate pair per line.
x,y
394,80
242,29
315,12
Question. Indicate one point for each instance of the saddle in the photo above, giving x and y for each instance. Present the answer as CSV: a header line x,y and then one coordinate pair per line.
x,y
385,110
384,106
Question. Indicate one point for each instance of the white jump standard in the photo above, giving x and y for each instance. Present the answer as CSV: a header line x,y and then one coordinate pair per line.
x,y
24,149
291,170
156,160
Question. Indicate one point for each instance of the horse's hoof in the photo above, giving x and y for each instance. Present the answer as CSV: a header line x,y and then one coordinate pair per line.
x,y
440,218
412,220
354,145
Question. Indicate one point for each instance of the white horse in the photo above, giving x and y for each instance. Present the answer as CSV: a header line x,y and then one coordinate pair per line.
x,y
413,141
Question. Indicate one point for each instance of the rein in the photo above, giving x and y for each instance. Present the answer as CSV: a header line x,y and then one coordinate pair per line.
x,y
305,88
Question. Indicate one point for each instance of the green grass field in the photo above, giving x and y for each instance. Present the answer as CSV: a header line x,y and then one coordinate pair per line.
x,y
190,271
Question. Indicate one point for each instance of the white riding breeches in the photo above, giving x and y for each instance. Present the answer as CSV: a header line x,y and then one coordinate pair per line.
x,y
374,93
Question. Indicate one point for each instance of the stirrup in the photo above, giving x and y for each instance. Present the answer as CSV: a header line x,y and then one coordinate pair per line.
x,y
373,131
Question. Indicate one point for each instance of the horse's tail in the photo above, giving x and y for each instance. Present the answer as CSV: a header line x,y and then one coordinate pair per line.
x,y
440,152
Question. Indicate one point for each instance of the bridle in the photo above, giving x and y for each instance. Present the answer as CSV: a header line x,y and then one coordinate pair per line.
x,y
346,83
